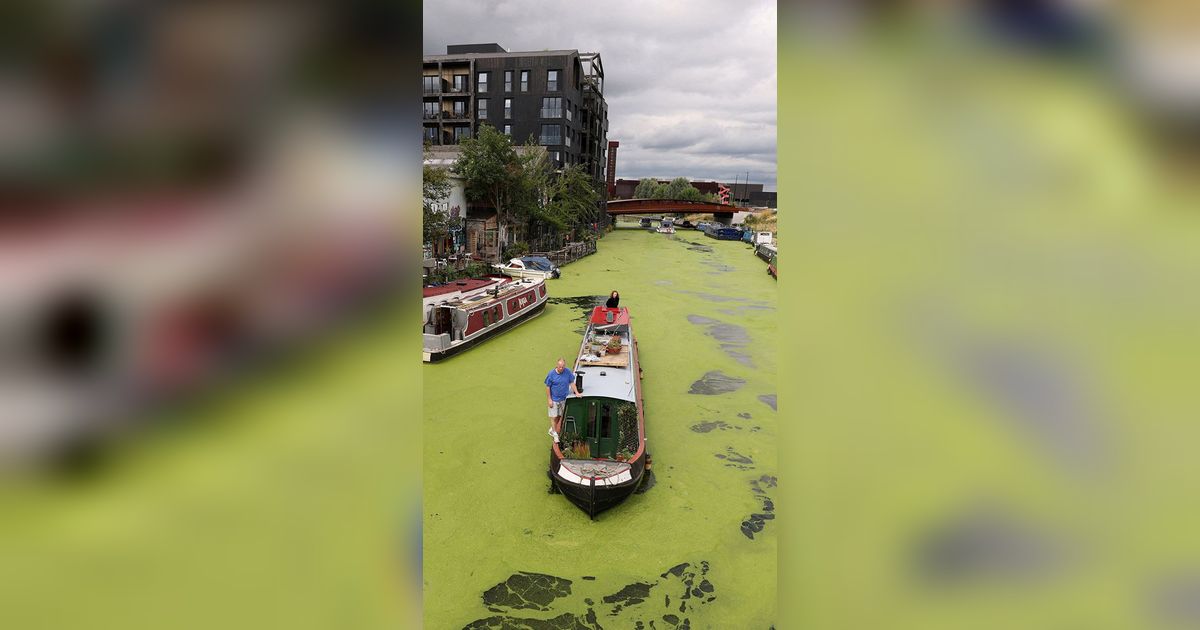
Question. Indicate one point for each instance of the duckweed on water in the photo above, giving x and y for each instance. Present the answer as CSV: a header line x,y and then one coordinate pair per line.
x,y
503,553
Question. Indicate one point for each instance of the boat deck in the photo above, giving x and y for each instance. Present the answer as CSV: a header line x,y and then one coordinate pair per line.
x,y
605,472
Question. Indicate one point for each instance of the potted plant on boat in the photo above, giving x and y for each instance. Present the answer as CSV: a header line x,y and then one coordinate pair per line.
x,y
614,345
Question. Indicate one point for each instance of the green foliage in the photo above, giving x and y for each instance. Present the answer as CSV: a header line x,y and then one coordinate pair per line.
x,y
528,195
515,250
492,170
647,188
435,188
572,198
627,435
678,188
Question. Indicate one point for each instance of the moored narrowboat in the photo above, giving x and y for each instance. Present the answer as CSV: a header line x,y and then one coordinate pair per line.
x,y
453,326
600,458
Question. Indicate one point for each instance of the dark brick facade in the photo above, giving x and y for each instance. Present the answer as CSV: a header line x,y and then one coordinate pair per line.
x,y
573,128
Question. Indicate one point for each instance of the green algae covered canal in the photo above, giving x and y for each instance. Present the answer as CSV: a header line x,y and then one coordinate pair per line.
x,y
696,547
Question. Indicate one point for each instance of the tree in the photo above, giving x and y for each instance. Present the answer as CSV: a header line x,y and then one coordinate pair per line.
x,y
572,198
647,188
677,188
435,188
493,172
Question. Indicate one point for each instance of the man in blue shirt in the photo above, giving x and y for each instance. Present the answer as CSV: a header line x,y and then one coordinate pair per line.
x,y
559,383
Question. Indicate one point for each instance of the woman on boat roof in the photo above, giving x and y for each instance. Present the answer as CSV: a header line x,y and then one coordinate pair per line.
x,y
613,300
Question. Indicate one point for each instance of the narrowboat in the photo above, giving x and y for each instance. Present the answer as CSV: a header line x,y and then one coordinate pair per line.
x,y
455,325
457,290
773,267
600,458
722,232
765,251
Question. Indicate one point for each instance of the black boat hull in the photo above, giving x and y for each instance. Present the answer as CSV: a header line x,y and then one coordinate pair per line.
x,y
593,499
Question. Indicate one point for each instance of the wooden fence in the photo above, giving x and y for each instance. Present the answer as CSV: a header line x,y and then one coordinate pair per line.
x,y
568,254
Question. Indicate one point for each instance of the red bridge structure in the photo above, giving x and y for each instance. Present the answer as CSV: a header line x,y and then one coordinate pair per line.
x,y
722,213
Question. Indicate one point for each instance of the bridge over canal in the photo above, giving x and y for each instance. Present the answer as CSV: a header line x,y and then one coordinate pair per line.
x,y
722,213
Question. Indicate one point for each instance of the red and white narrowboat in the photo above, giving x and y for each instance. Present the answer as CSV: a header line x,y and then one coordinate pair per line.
x,y
455,325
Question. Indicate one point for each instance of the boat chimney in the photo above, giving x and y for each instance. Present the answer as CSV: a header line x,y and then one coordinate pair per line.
x,y
579,382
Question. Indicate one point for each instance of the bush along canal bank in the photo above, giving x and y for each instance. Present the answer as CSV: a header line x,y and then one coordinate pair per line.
x,y
697,546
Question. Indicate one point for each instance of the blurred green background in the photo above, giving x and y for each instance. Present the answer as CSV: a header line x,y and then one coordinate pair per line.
x,y
989,249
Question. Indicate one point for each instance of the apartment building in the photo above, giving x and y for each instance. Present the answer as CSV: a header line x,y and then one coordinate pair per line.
x,y
554,97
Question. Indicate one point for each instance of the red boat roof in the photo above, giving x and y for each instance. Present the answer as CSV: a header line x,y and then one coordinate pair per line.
x,y
600,315
469,284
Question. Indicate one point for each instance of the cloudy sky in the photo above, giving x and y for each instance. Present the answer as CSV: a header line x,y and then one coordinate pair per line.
x,y
690,85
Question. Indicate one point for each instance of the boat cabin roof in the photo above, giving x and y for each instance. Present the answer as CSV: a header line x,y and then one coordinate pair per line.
x,y
610,375
502,292
468,284
603,316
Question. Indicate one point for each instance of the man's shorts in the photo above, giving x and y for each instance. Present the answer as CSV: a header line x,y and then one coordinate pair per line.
x,y
559,408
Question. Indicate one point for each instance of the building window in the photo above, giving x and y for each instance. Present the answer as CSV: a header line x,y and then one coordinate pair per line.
x,y
431,135
508,108
524,80
508,130
461,133
551,107
551,134
482,108
568,110
482,83
567,139
552,80
431,85
556,157
460,83
431,110
508,80
460,109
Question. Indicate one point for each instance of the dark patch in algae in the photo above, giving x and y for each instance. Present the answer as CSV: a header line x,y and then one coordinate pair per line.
x,y
582,303
648,482
716,382
735,459
526,590
684,587
769,400
705,427
755,523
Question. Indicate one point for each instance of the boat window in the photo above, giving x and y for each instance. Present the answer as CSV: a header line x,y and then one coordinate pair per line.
x,y
486,320
606,421
591,423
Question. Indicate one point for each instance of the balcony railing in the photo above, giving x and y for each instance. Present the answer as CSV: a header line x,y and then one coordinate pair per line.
x,y
551,112
550,140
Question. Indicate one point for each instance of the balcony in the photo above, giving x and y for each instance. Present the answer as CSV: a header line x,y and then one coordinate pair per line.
x,y
551,112
550,140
